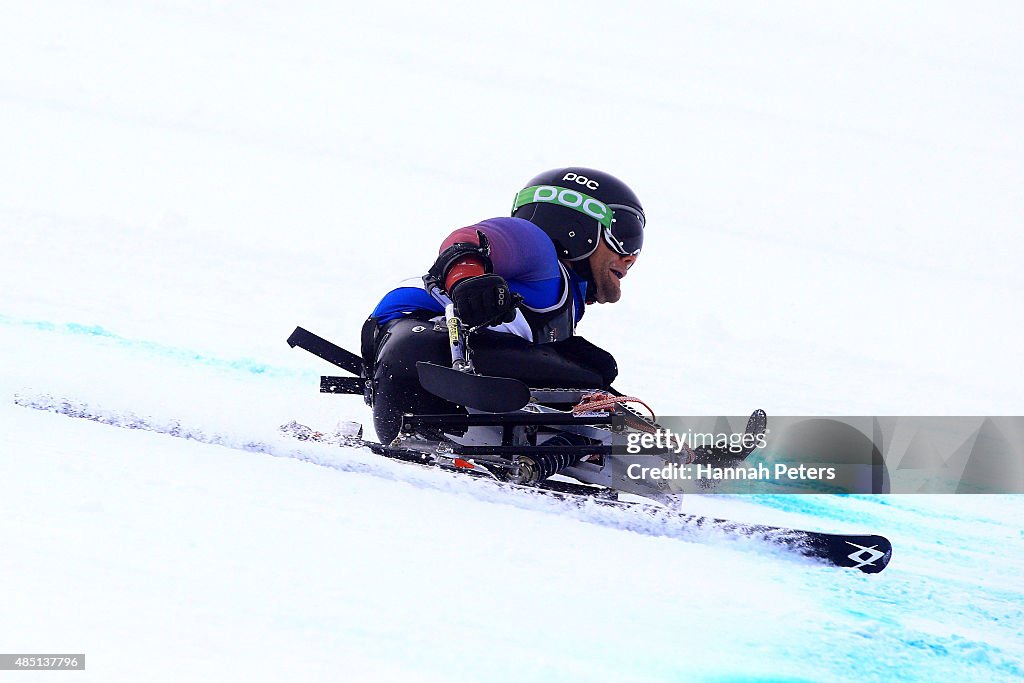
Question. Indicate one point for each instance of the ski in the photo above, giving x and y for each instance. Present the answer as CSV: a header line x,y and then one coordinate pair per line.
x,y
867,553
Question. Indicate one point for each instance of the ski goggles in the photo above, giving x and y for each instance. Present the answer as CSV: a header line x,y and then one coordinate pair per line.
x,y
626,234
621,226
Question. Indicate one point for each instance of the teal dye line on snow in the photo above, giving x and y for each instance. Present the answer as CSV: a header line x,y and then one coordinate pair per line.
x,y
249,365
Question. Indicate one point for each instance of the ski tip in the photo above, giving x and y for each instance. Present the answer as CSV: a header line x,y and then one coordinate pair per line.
x,y
869,554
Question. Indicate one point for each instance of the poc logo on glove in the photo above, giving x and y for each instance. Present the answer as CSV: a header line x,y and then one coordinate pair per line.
x,y
582,180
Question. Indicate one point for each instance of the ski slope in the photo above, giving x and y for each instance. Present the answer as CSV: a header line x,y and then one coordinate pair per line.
x,y
834,206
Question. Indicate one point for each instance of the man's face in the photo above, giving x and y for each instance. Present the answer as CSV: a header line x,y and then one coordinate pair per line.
x,y
608,268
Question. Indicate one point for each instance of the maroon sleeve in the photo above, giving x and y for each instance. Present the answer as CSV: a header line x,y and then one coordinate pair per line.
x,y
519,249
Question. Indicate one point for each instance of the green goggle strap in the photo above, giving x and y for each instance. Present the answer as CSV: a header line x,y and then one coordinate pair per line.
x,y
570,199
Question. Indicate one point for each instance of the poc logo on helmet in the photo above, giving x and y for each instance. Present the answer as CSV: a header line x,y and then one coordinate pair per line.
x,y
582,180
573,200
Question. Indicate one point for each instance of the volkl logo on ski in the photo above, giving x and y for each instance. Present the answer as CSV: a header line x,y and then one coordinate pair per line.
x,y
861,559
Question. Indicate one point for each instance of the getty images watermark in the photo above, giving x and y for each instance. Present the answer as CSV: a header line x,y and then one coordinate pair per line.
x,y
862,454
690,446
679,442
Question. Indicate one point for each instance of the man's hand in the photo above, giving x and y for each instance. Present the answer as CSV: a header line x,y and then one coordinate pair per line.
x,y
484,300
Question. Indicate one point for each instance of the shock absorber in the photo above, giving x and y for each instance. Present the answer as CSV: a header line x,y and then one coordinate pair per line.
x,y
537,466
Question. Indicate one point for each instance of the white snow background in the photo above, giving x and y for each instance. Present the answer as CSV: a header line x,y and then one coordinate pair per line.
x,y
835,195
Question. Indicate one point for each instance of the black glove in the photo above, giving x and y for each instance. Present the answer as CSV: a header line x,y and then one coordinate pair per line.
x,y
484,300
582,352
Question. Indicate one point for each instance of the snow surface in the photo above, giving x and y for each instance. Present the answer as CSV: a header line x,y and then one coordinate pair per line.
x,y
835,200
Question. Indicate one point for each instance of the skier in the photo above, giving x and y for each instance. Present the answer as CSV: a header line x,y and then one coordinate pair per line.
x,y
523,283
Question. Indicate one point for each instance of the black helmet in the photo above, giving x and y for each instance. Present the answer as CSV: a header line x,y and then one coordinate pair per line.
x,y
577,206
